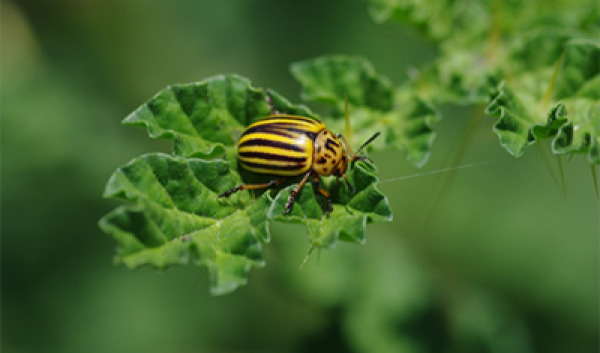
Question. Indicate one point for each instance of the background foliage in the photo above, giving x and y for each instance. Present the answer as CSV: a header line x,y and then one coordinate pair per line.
x,y
507,263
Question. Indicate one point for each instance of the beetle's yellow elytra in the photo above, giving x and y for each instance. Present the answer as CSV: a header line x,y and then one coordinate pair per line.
x,y
280,145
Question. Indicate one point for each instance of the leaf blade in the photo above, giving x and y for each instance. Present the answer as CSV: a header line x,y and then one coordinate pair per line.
x,y
185,222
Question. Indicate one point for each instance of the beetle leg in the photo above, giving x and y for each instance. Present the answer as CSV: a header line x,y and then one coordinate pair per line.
x,y
274,182
294,192
323,192
271,105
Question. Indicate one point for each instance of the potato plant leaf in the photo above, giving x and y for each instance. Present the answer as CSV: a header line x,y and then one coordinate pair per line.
x,y
404,119
174,215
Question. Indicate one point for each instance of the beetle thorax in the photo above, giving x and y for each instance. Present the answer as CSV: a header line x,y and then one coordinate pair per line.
x,y
329,154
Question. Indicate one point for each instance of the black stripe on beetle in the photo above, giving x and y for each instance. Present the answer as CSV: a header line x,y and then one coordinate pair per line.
x,y
272,157
290,127
285,130
309,134
271,143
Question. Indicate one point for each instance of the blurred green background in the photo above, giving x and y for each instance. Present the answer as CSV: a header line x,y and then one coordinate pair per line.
x,y
507,264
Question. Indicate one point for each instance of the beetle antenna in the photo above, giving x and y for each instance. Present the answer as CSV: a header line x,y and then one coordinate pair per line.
x,y
368,142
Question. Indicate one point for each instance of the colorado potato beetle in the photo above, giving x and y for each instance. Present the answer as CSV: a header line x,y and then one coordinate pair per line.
x,y
288,145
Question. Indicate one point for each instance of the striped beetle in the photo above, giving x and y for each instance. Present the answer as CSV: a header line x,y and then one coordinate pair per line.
x,y
290,145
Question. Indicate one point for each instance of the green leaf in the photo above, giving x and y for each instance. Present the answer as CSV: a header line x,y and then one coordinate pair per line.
x,y
404,119
177,218
562,106
579,90
175,215
517,114
351,211
205,118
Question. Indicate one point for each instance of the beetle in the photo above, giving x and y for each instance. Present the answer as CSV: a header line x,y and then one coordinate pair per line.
x,y
290,145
